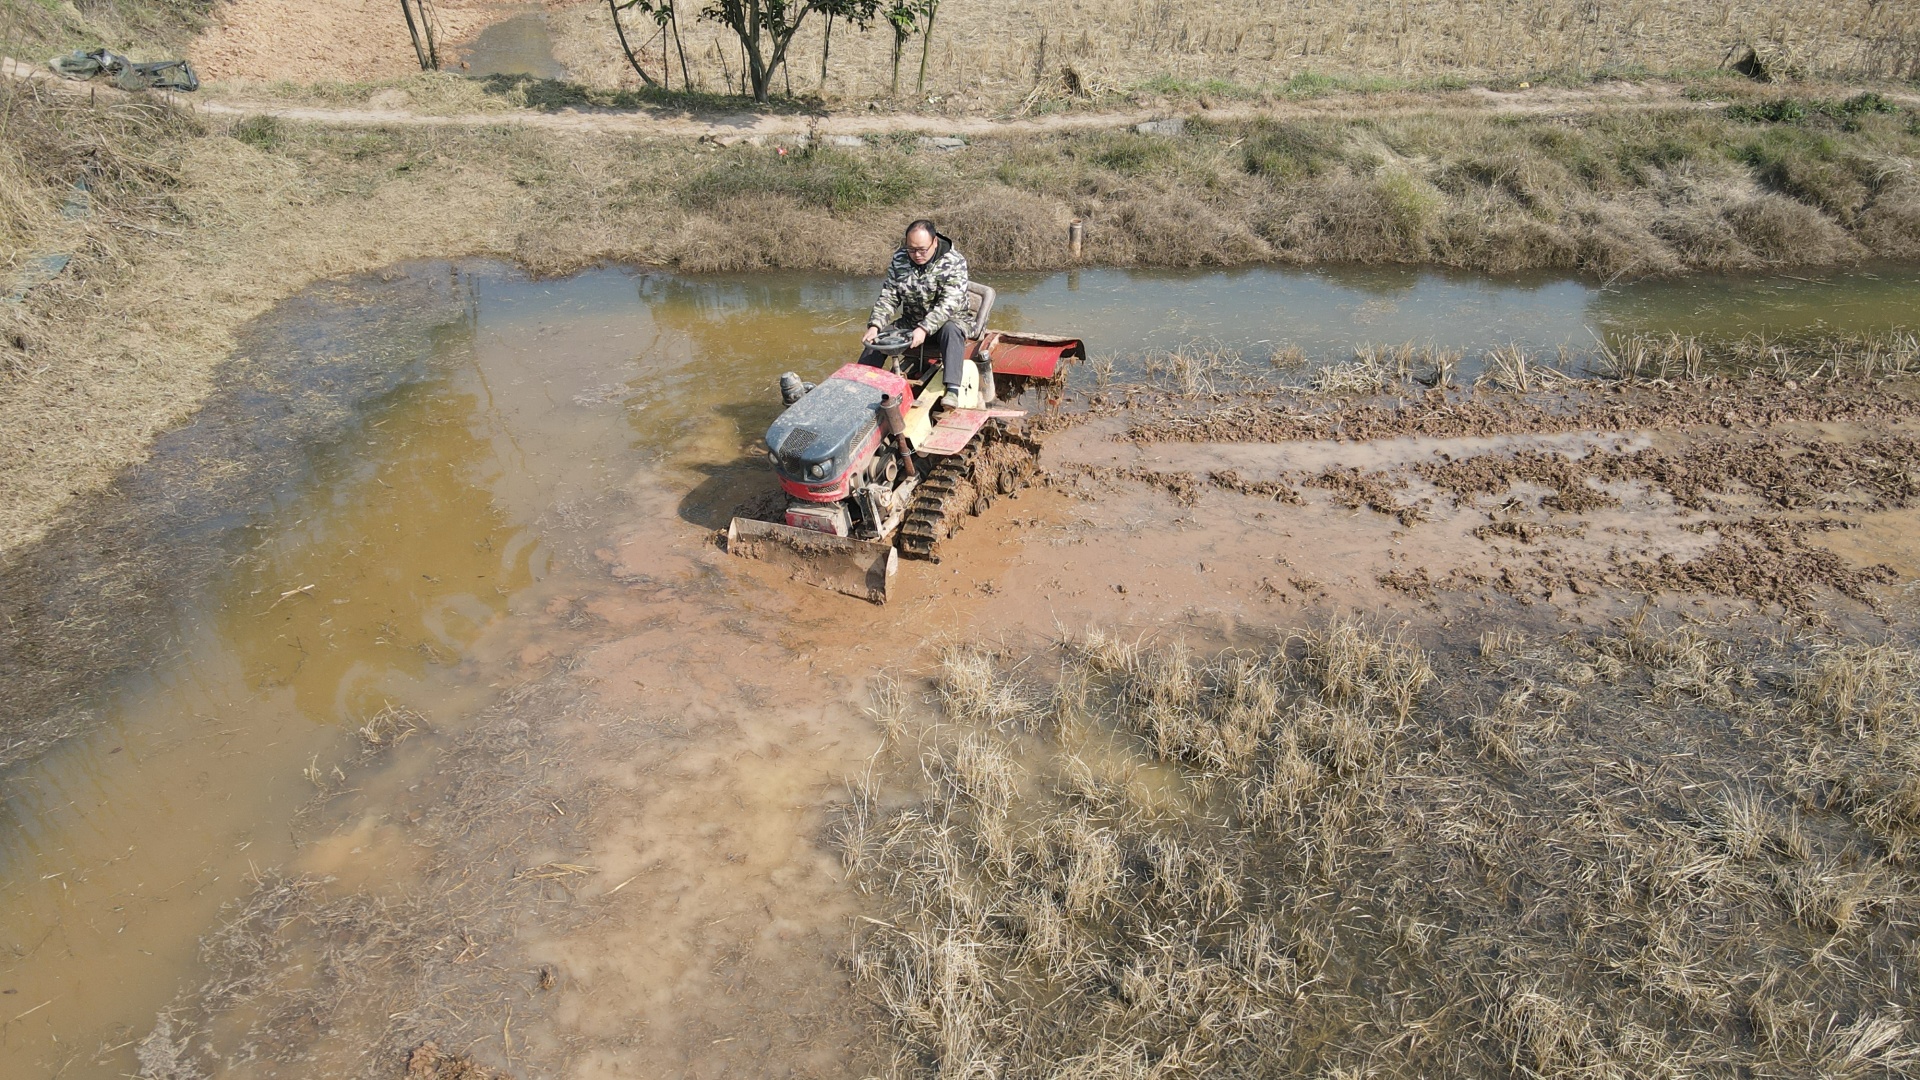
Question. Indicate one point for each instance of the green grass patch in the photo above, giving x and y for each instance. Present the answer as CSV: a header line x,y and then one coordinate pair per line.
x,y
1284,153
1789,110
1312,84
1782,111
1809,165
1130,153
825,177
1036,166
1177,86
1410,204
260,132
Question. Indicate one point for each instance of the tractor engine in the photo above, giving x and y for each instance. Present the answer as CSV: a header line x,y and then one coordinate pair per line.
x,y
838,470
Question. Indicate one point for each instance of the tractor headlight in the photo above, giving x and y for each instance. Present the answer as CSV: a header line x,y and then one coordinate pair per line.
x,y
817,471
773,457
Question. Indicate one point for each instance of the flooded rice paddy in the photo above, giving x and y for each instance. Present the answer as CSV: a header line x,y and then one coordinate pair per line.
x,y
495,449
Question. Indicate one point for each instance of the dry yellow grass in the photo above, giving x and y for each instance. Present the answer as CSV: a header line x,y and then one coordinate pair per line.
x,y
1333,858
146,28
996,53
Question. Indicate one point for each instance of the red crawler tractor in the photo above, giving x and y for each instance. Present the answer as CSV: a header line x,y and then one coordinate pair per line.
x,y
869,470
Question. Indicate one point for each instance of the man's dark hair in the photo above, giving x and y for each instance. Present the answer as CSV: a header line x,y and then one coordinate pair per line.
x,y
922,225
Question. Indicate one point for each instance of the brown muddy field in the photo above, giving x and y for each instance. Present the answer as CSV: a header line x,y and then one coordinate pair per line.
x,y
646,857
1380,727
1292,721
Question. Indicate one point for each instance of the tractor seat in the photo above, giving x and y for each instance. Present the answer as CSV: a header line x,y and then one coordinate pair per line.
x,y
979,306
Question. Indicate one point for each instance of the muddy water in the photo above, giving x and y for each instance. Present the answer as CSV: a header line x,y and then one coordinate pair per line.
x,y
403,565
1327,310
517,45
1863,299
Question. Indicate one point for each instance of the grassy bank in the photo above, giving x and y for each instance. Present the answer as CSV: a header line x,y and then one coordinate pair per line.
x,y
145,28
197,224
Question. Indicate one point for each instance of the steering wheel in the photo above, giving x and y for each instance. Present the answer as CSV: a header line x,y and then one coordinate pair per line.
x,y
892,342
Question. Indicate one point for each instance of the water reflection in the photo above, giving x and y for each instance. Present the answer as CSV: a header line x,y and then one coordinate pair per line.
x,y
1322,310
404,566
1854,300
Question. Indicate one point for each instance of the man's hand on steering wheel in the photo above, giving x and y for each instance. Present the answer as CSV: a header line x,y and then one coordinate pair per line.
x,y
918,339
872,335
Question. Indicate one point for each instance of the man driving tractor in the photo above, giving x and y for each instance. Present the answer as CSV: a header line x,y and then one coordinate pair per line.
x,y
925,293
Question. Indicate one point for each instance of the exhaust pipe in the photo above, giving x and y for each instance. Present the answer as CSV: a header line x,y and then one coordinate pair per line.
x,y
894,426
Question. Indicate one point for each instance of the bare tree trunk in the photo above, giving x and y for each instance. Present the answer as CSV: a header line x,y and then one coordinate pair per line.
x,y
413,31
426,23
686,80
926,43
763,35
826,46
613,8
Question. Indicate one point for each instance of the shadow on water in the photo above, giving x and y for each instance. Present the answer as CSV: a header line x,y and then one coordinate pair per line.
x,y
1871,298
739,488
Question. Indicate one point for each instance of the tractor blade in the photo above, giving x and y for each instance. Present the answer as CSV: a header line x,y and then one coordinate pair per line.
x,y
862,568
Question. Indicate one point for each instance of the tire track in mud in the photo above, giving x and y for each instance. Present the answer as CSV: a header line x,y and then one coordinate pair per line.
x,y
1760,471
1286,416
1765,557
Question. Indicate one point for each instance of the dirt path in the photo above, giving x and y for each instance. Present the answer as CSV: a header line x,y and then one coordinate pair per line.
x,y
1477,101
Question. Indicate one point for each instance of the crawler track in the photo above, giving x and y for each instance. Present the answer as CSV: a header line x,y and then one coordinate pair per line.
x,y
996,463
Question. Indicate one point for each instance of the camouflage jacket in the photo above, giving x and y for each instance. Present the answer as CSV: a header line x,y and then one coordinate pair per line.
x,y
925,296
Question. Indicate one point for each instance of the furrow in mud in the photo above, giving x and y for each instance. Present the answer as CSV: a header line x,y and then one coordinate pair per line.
x,y
1754,402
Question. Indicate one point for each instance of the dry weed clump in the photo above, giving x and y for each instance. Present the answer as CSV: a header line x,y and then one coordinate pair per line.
x,y
1861,707
1004,228
1674,357
1189,372
1171,228
1512,369
1334,857
1384,369
1371,371
69,173
1378,369
972,689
